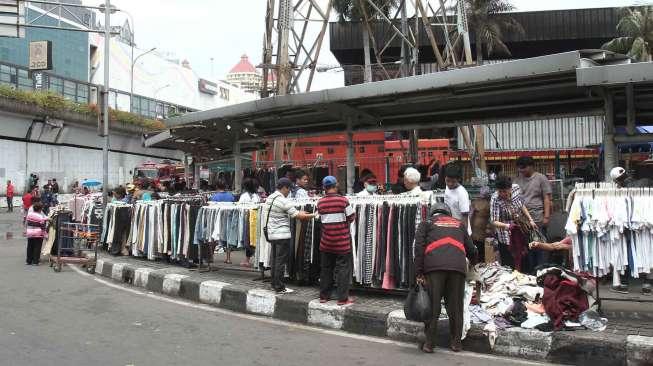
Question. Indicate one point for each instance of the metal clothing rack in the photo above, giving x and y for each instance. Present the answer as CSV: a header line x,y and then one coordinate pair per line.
x,y
593,188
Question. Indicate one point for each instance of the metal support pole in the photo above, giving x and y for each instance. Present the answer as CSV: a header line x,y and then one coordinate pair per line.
x,y
610,159
196,174
630,109
105,148
186,169
238,167
351,164
405,58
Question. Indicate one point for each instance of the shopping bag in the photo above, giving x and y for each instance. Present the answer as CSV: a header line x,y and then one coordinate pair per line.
x,y
418,304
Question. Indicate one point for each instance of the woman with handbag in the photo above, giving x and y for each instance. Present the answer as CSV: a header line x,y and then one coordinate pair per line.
x,y
442,246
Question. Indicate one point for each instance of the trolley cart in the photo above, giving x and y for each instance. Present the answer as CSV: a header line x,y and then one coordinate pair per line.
x,y
75,243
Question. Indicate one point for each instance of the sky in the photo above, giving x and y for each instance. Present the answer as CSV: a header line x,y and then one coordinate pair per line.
x,y
199,30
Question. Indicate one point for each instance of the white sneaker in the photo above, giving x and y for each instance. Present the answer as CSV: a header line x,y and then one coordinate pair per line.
x,y
286,291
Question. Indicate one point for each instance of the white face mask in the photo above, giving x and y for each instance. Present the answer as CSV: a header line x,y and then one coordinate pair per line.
x,y
371,188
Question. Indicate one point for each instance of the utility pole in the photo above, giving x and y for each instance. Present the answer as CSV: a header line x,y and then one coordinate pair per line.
x,y
105,106
284,68
413,138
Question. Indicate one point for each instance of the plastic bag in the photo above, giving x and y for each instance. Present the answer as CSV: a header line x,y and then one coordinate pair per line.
x,y
591,320
418,305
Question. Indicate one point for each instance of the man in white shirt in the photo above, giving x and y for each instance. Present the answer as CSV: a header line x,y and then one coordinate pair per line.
x,y
455,195
412,177
371,186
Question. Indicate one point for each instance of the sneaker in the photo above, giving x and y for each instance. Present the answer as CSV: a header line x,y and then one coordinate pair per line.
x,y
349,301
285,291
456,346
621,289
324,300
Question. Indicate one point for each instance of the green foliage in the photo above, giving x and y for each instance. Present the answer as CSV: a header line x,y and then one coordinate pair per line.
x,y
351,9
636,34
56,103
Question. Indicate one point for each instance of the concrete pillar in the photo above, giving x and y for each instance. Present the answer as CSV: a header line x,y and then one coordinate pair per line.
x,y
238,167
196,175
630,109
610,158
351,163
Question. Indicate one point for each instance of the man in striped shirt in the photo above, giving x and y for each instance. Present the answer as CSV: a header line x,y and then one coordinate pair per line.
x,y
336,215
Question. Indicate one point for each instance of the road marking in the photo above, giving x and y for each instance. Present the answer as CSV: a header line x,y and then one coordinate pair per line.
x,y
277,322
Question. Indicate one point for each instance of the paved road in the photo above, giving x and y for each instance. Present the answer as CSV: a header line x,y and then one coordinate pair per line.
x,y
68,318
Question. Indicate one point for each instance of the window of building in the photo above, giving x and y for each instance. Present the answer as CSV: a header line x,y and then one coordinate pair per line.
x,y
330,151
361,149
308,151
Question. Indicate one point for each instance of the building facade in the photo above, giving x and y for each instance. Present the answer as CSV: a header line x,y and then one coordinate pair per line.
x,y
245,76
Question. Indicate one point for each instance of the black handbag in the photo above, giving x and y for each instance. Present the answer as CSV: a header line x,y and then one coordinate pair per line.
x,y
418,305
267,220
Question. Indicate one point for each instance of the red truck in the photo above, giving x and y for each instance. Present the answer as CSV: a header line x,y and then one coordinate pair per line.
x,y
158,173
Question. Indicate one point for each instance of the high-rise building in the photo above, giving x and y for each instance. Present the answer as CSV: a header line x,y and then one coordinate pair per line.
x,y
245,76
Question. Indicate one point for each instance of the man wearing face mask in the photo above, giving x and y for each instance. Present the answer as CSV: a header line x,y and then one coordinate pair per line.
x,y
371,186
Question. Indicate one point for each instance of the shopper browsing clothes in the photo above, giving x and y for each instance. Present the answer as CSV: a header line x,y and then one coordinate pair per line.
x,y
536,193
336,214
279,212
455,195
512,221
370,186
442,245
301,185
35,232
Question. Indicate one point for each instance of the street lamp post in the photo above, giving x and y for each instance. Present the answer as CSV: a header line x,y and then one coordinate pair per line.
x,y
105,106
131,92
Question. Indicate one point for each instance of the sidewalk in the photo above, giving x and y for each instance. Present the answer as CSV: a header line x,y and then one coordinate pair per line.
x,y
628,340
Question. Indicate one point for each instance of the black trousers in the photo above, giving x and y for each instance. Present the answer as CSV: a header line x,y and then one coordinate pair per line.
x,y
340,264
10,204
449,285
34,250
280,250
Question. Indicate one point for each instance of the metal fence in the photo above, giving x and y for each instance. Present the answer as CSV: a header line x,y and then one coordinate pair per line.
x,y
78,91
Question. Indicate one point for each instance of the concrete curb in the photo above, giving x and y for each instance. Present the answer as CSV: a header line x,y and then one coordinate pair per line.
x,y
561,347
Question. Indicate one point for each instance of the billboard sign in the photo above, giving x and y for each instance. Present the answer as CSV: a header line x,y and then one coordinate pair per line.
x,y
40,55
208,87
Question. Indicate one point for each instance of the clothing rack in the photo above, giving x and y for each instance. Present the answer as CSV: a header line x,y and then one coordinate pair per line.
x,y
583,190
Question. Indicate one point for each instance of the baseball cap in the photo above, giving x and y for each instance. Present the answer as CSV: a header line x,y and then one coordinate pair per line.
x,y
329,181
284,183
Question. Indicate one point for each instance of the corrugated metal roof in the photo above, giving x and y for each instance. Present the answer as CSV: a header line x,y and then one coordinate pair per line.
x,y
543,134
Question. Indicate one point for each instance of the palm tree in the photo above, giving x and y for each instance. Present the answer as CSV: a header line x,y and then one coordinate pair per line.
x,y
487,21
636,30
352,10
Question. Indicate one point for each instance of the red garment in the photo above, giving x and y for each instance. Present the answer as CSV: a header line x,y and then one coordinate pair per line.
x,y
10,191
27,201
563,300
336,215
518,246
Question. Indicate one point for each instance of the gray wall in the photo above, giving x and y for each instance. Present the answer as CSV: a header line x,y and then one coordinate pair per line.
x,y
69,153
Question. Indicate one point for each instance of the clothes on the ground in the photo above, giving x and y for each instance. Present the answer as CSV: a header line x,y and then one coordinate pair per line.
x,y
450,286
441,244
533,189
336,215
506,211
223,197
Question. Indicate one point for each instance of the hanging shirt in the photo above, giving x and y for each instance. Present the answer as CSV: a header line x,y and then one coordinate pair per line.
x,y
223,197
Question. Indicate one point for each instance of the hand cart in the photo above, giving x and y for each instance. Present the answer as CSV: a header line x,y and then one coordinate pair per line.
x,y
75,241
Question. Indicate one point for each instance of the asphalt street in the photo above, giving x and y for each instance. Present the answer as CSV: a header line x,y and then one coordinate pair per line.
x,y
69,318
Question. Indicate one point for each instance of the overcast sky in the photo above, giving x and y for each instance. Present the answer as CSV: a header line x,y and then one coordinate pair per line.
x,y
199,30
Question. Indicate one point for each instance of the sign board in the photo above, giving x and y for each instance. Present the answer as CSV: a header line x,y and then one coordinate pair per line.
x,y
207,87
12,18
40,55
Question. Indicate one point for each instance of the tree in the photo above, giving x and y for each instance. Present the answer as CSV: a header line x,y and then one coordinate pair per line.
x,y
488,23
636,31
352,10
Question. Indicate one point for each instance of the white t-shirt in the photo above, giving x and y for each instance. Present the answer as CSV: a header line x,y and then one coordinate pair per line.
x,y
247,197
458,202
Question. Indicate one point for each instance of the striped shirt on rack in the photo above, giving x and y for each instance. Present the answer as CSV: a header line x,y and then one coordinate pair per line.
x,y
336,214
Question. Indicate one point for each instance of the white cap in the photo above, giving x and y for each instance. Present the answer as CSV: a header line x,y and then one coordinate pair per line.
x,y
617,172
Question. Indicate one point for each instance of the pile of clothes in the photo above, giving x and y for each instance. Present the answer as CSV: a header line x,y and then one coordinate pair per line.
x,y
555,299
